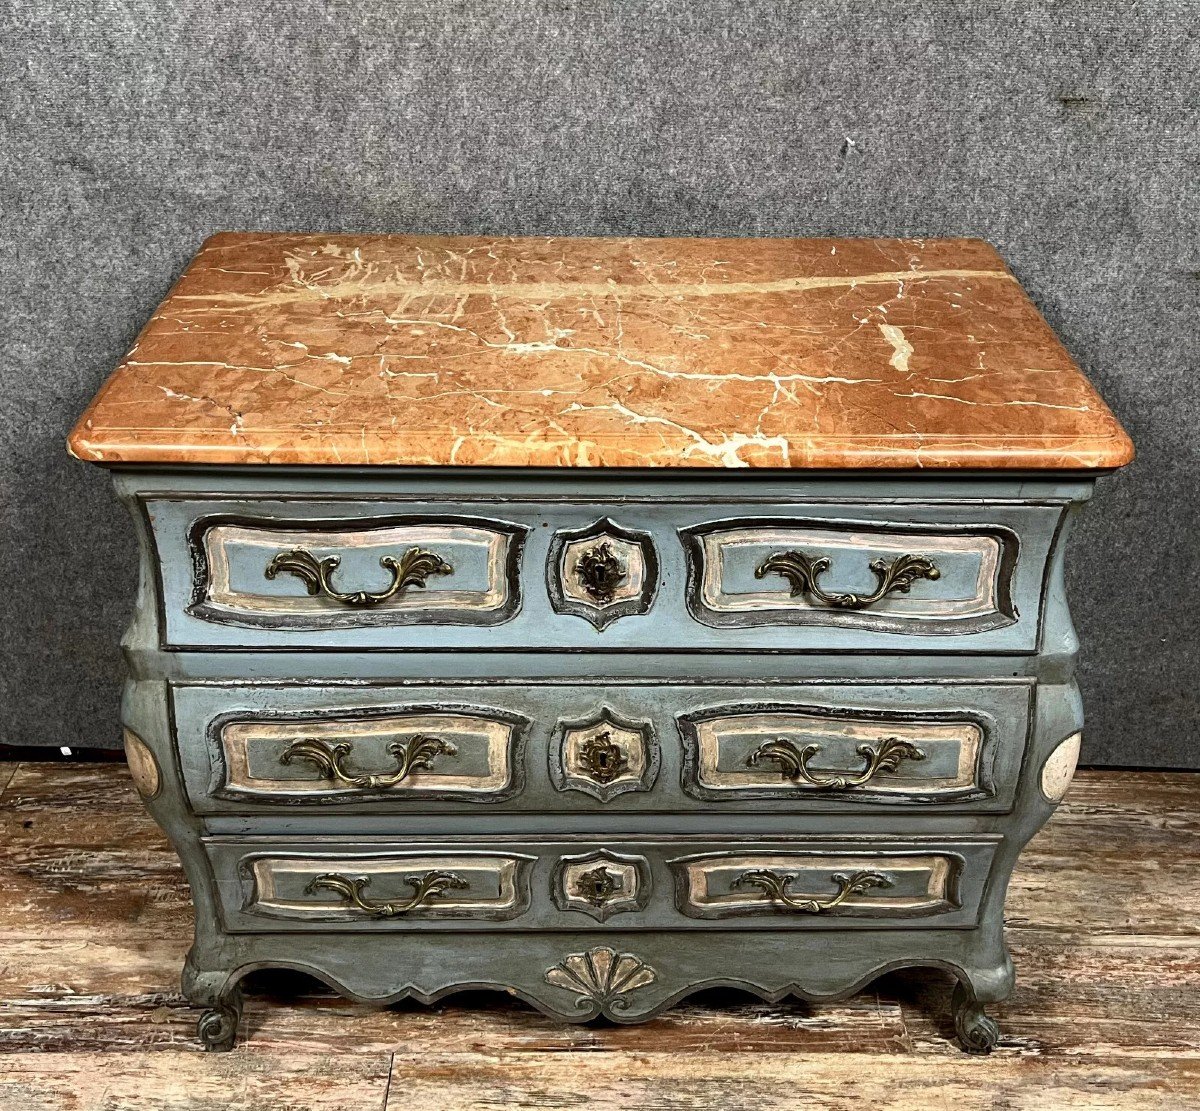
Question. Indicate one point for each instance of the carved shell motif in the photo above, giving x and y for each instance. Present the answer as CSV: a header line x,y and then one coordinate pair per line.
x,y
601,977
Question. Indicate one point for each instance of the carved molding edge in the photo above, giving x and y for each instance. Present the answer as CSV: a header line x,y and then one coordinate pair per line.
x,y
200,606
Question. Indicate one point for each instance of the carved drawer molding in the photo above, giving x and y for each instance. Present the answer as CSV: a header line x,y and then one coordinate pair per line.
x,y
786,750
413,752
346,573
387,889
937,580
862,885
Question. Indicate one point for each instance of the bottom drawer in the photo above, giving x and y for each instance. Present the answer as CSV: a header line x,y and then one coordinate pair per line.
x,y
336,884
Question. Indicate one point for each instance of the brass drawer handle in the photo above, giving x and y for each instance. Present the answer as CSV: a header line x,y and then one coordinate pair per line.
x,y
427,886
802,572
885,756
774,885
411,569
412,755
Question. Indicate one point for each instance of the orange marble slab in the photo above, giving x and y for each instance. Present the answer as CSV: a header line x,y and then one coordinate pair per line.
x,y
432,350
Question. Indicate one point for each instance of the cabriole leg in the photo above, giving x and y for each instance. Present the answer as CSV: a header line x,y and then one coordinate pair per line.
x,y
220,993
977,1033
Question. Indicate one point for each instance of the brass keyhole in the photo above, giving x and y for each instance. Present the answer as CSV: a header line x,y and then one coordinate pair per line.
x,y
603,760
599,885
600,572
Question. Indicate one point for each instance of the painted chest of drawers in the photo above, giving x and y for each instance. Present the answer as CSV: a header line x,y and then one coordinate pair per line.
x,y
599,620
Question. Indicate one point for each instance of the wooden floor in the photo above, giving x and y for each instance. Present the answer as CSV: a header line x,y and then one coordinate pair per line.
x,y
1104,920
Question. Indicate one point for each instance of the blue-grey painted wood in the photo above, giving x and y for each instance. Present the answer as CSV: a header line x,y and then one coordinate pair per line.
x,y
246,907
997,715
544,668
677,619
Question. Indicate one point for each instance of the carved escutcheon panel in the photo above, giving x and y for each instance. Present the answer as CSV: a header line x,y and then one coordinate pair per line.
x,y
866,575
601,884
604,756
729,885
1059,768
324,575
785,751
143,766
602,572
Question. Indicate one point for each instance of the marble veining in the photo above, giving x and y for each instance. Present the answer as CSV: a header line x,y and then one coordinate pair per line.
x,y
473,351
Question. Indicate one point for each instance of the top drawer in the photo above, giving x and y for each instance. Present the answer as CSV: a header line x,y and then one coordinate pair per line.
x,y
679,574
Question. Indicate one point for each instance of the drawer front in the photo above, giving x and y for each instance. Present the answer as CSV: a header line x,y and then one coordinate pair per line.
x,y
336,884
674,574
326,575
436,752
858,885
937,580
352,888
780,750
559,747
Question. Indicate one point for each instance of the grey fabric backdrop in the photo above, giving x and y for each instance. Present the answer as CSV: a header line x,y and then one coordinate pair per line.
x,y
1064,133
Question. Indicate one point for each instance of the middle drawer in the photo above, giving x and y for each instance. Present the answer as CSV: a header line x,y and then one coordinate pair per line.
x,y
552,746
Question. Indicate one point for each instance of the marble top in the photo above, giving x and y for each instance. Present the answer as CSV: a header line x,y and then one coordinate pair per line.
x,y
434,350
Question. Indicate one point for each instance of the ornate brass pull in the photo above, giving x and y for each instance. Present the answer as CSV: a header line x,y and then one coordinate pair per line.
x,y
600,572
428,886
882,757
411,755
774,885
411,569
802,571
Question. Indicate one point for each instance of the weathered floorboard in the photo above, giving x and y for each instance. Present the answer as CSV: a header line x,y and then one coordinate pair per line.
x,y
295,1021
1074,996
95,919
785,1082
175,1081
82,859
